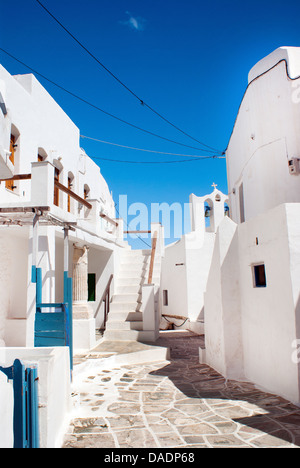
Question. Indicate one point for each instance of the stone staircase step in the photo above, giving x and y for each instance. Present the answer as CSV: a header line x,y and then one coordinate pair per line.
x,y
128,307
125,319
112,325
129,289
128,280
125,315
122,335
126,298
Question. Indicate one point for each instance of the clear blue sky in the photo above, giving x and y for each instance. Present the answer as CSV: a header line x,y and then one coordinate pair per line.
x,y
189,60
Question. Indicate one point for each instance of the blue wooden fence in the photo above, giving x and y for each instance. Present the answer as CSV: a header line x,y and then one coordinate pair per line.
x,y
26,420
54,328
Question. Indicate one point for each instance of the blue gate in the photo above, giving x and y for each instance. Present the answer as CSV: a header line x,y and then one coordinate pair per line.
x,y
54,328
26,421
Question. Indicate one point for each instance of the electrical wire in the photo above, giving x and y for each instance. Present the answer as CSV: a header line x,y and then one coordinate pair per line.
x,y
153,162
121,82
99,108
145,150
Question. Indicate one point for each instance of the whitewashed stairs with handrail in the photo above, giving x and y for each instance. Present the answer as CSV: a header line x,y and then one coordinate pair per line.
x,y
125,319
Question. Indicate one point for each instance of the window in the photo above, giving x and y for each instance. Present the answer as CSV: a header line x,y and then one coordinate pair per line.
x,y
56,189
91,287
10,183
259,276
165,297
70,185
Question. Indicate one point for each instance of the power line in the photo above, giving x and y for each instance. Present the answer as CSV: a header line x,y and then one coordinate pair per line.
x,y
121,82
99,108
154,162
144,150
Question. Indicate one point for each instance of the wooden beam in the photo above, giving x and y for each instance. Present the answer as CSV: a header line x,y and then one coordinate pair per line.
x,y
72,194
17,177
154,242
25,209
107,218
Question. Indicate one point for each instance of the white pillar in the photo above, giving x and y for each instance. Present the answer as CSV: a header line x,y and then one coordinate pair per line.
x,y
42,183
84,337
81,307
150,315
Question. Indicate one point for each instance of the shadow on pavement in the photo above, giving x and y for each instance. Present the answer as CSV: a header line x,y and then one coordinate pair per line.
x,y
265,419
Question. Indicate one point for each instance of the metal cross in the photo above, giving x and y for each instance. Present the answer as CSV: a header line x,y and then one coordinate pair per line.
x,y
214,186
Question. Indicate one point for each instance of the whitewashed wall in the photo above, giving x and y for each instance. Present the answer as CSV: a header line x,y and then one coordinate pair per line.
x,y
249,331
265,136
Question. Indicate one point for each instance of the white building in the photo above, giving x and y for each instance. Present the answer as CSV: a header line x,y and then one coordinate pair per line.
x,y
43,144
64,262
186,264
252,312
57,223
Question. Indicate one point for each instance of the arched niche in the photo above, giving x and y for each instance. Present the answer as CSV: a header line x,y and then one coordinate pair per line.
x,y
226,208
86,192
14,157
209,214
42,155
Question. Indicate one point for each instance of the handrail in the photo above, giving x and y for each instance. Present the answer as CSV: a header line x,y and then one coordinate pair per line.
x,y
154,242
72,194
104,298
107,218
137,232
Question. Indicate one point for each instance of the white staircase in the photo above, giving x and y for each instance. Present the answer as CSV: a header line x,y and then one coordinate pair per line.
x,y
125,319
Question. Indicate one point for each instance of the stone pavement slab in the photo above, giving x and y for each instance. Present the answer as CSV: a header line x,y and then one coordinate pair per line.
x,y
177,403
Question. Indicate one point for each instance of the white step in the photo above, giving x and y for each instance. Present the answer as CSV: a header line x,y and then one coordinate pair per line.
x,y
140,261
134,272
122,315
121,335
125,307
139,264
129,289
135,282
136,253
128,280
124,325
125,298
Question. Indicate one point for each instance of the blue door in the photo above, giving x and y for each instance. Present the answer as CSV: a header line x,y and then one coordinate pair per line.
x,y
54,328
26,420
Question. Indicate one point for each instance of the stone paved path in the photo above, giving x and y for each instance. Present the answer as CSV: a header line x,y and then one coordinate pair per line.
x,y
177,403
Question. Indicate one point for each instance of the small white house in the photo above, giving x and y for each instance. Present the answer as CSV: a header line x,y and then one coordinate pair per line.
x,y
252,311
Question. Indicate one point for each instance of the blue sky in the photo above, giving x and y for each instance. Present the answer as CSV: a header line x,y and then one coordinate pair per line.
x,y
189,60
